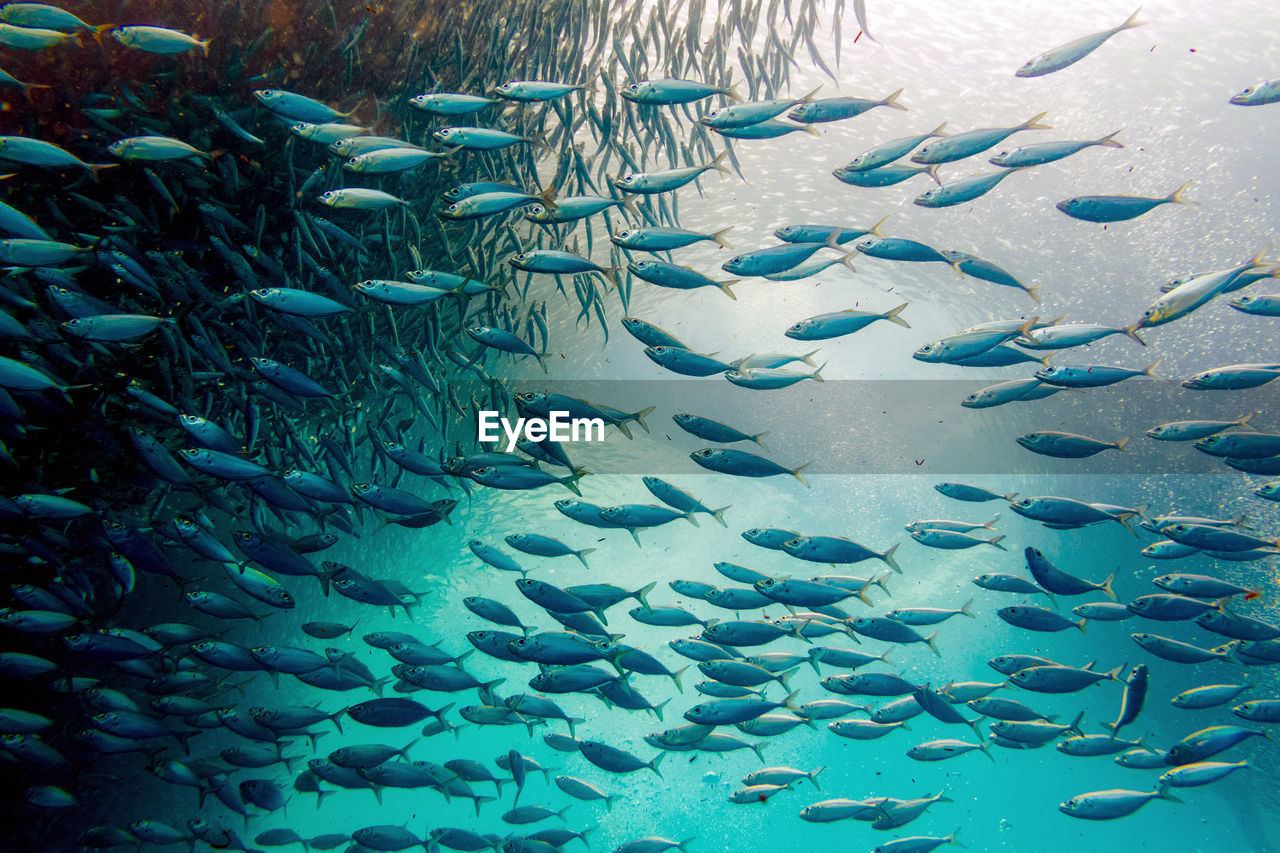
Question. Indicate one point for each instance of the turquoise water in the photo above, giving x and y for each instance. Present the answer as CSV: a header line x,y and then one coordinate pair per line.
x,y
880,432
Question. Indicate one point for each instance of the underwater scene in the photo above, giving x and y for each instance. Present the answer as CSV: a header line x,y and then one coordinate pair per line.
x,y
712,425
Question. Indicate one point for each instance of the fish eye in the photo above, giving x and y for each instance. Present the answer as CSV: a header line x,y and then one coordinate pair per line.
x,y
1248,91
628,179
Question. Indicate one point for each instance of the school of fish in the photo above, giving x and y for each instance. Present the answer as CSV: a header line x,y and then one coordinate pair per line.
x,y
240,328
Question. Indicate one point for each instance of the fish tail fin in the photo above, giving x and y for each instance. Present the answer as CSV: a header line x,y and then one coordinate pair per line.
x,y
964,609
875,229
27,87
887,559
1120,445
893,316
1163,792
1034,123
809,97
798,473
1151,369
812,130
675,677
891,100
582,556
640,416
1031,291
807,358
758,438
724,287
995,540
1110,140
1132,332
1175,197
681,845
718,237
734,95
1132,20
931,640
1106,587
653,765
689,517
847,260
759,745
817,374
1247,419
641,593
1081,624
542,362
1075,724
932,171
718,163
571,482
718,515
862,591
95,168
938,131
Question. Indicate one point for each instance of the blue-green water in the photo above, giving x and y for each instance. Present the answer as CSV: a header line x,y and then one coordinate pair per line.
x,y
1166,87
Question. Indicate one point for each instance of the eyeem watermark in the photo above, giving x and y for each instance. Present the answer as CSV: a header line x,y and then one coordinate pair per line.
x,y
557,427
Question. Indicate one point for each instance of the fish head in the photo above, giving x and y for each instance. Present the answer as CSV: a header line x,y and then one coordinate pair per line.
x,y
1032,68
797,545
1000,159
1032,440
330,197
565,504
1070,205
624,181
927,352
660,354
1244,97
638,267
798,328
706,452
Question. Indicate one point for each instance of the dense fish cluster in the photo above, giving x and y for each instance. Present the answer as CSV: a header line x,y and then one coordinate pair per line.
x,y
243,326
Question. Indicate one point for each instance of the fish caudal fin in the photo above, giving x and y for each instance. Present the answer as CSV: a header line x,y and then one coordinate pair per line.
x,y
887,559
799,475
718,237
893,316
1034,123
1175,197
1110,140
892,101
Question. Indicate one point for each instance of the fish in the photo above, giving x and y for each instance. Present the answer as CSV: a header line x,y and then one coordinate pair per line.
x,y
1117,208
1072,52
